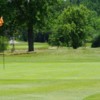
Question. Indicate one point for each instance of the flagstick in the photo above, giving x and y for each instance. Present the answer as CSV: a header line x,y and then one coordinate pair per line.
x,y
3,54
3,60
1,24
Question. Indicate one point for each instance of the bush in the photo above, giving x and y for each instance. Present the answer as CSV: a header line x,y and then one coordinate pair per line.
x,y
96,42
72,26
3,43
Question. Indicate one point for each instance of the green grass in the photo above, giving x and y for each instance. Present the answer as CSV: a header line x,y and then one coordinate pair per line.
x,y
24,46
51,74
93,97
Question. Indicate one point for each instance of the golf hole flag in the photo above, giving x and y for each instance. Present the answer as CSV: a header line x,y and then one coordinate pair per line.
x,y
1,21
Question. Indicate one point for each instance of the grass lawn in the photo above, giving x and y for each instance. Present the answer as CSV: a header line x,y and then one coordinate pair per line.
x,y
51,74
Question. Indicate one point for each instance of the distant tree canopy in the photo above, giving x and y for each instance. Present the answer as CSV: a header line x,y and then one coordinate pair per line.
x,y
71,27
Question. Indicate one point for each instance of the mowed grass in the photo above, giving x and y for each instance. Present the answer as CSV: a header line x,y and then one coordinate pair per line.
x,y
51,73
24,46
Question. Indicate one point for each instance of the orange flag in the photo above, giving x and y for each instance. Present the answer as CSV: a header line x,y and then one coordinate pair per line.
x,y
1,21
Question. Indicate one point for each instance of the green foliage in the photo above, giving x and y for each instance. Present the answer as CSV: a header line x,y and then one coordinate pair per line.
x,y
93,5
43,16
96,41
72,25
54,40
96,33
23,13
97,25
3,43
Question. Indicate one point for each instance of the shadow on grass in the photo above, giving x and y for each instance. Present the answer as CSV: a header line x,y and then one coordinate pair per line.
x,y
93,97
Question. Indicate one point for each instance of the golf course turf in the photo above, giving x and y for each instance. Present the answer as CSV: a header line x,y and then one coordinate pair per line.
x,y
51,74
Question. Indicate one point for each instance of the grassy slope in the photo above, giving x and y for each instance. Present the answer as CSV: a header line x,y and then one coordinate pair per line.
x,y
51,74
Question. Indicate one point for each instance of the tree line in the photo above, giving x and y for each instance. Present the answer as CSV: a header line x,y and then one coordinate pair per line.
x,y
59,22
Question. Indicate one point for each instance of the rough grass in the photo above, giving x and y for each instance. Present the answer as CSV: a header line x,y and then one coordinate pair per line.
x,y
51,74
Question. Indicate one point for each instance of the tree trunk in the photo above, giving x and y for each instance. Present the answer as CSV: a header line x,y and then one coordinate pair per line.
x,y
30,38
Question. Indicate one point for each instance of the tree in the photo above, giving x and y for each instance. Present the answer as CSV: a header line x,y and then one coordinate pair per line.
x,y
30,13
75,2
9,19
93,5
71,26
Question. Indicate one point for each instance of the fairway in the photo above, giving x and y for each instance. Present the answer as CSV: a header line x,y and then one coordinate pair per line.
x,y
50,50
51,74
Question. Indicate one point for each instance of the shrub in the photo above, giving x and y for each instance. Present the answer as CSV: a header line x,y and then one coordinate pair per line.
x,y
3,43
72,26
96,42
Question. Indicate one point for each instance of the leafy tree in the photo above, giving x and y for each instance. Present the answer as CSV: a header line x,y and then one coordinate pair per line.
x,y
72,25
93,5
9,18
30,13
